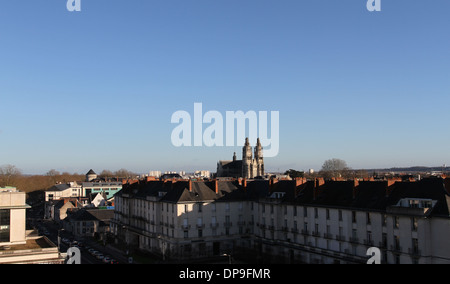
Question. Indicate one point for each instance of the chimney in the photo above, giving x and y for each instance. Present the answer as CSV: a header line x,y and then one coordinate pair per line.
x,y
190,185
355,186
216,185
299,181
392,181
318,183
390,184
244,183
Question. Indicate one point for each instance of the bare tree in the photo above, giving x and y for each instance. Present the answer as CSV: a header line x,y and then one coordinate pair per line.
x,y
8,175
53,174
106,174
124,173
335,168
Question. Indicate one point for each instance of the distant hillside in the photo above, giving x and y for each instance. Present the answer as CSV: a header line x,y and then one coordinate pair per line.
x,y
416,169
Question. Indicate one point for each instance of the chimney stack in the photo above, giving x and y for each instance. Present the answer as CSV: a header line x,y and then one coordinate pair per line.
x,y
318,183
216,185
355,186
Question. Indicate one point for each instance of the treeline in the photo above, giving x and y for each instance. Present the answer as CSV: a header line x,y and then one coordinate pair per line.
x,y
10,175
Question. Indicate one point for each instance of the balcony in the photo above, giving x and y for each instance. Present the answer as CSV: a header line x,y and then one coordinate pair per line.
x,y
214,225
354,240
227,224
396,248
185,227
340,238
200,226
316,234
414,251
305,232
328,236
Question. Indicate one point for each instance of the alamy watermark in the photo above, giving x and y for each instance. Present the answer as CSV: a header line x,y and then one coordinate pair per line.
x,y
75,5
190,130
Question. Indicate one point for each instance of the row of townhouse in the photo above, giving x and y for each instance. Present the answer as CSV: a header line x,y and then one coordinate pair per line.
x,y
183,219
295,221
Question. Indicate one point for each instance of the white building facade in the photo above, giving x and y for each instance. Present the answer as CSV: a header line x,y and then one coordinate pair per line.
x,y
285,222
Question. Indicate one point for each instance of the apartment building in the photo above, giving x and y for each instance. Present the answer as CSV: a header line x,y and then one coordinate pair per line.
x,y
296,221
17,245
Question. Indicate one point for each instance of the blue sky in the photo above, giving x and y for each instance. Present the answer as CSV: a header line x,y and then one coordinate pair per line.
x,y
97,88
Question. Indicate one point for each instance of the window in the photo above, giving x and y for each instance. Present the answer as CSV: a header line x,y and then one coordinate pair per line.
x,y
396,223
328,214
384,240
414,224
5,216
353,216
340,215
354,235
316,213
396,242
368,220
200,207
227,221
305,212
415,246
369,237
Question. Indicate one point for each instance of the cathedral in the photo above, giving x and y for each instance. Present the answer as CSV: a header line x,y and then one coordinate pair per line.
x,y
251,166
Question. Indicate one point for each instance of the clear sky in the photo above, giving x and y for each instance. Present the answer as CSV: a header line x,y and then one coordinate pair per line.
x,y
97,88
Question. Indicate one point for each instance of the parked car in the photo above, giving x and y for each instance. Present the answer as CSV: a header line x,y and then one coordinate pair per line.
x,y
113,261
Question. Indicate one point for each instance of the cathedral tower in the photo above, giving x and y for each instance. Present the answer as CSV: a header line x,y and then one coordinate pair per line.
x,y
259,159
247,160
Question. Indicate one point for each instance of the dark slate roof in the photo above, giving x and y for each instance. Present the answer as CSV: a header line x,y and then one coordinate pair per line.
x,y
429,188
59,187
371,195
335,193
91,172
237,165
202,191
363,195
104,215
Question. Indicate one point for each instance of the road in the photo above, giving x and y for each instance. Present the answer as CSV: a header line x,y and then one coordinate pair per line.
x,y
51,231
